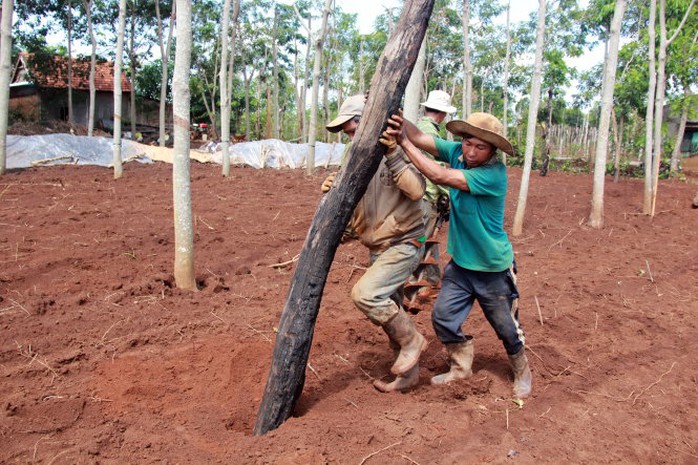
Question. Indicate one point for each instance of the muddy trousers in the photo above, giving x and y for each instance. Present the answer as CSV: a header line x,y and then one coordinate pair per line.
x,y
374,292
497,295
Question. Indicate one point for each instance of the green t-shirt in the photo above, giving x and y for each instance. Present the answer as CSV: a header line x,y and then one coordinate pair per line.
x,y
428,126
476,237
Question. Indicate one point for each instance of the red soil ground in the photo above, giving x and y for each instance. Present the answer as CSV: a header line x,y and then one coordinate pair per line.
x,y
103,360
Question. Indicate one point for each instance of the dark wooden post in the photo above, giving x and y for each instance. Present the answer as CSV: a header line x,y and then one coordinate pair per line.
x,y
292,345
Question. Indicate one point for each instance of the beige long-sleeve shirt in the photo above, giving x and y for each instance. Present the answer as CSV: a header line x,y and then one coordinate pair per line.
x,y
390,212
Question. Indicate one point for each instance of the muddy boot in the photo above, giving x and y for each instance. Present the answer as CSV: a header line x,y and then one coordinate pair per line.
x,y
523,380
461,357
394,346
400,383
402,330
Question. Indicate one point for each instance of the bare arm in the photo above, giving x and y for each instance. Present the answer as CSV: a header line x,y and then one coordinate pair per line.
x,y
436,173
400,129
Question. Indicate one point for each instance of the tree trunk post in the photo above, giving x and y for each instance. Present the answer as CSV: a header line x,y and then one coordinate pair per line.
x,y
292,346
5,71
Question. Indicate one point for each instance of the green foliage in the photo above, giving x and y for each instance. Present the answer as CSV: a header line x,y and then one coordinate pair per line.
x,y
570,165
560,113
350,58
149,78
636,170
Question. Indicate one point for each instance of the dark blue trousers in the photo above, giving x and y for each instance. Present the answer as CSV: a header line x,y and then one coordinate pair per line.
x,y
497,295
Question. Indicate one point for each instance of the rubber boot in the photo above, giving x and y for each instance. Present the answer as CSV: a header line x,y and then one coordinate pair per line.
x,y
523,380
461,357
400,383
402,330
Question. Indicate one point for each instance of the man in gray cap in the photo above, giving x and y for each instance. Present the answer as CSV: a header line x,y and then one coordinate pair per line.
x,y
388,221
482,264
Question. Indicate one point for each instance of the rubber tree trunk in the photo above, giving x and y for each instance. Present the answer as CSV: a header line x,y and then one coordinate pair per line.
x,y
132,67
517,226
468,75
312,132
71,114
118,168
5,70
413,92
676,153
293,341
88,4
181,183
164,63
505,91
225,92
664,43
609,82
649,115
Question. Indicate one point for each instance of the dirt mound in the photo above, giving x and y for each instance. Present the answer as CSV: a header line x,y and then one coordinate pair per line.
x,y
104,360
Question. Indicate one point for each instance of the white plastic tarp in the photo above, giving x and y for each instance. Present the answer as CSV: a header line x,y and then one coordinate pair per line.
x,y
26,151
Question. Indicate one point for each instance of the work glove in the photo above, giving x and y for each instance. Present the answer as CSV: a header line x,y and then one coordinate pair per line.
x,y
389,141
327,183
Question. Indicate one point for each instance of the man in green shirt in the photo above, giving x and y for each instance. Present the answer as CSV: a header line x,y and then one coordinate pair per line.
x,y
482,267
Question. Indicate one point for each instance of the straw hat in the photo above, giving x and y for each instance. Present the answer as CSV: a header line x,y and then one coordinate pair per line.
x,y
439,100
353,106
483,126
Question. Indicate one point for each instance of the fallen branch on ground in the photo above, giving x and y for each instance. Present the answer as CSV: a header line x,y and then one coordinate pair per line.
x,y
653,384
286,263
378,452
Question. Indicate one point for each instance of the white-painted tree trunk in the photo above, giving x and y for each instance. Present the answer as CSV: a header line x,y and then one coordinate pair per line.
x,y
71,115
233,43
413,91
467,66
609,82
664,43
165,49
225,92
676,153
5,71
93,67
517,227
132,67
505,113
312,132
306,76
181,183
649,115
118,61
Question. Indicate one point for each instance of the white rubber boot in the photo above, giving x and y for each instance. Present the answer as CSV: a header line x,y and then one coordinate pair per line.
x,y
523,380
461,357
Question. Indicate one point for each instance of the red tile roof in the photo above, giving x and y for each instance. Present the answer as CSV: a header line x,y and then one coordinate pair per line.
x,y
58,76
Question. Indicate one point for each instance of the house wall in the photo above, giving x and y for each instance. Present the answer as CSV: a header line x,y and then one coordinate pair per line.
x,y
48,104
27,108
